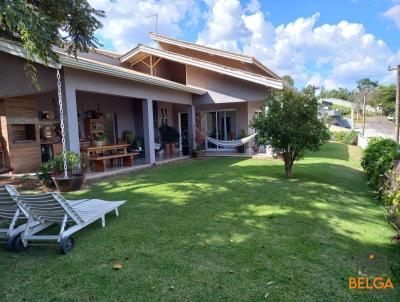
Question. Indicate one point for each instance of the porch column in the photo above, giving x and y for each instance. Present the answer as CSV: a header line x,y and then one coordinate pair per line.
x,y
70,115
148,129
192,126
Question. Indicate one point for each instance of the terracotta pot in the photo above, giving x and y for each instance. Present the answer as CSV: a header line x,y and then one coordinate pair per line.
x,y
74,182
167,149
172,148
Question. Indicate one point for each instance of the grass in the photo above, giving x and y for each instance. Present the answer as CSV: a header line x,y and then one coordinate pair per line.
x,y
219,230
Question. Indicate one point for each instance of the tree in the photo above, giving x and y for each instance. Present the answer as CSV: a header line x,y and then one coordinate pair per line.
x,y
366,85
288,79
291,125
340,93
386,98
40,25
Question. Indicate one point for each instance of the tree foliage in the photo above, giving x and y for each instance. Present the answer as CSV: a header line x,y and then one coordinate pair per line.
x,y
288,79
291,125
386,98
40,25
366,85
340,93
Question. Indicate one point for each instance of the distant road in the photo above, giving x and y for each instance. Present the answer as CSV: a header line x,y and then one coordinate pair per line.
x,y
377,126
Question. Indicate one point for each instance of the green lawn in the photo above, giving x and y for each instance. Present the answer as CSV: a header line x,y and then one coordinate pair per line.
x,y
219,229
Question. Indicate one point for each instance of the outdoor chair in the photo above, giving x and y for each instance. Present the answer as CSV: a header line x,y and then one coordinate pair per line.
x,y
15,217
72,216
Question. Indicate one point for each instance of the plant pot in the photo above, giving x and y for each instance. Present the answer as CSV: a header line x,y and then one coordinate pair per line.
x,y
185,151
241,149
256,149
167,149
99,143
172,148
196,153
74,182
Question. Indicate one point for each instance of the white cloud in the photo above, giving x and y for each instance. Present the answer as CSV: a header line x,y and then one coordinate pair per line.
x,y
126,24
393,14
328,54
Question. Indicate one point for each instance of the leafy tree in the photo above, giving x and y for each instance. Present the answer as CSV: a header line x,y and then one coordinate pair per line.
x,y
291,125
340,93
386,98
40,25
288,79
366,85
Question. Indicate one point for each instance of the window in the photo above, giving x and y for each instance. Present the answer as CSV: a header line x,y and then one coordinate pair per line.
x,y
163,116
23,133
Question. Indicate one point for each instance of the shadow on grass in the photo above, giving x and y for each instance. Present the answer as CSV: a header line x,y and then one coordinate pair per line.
x,y
221,229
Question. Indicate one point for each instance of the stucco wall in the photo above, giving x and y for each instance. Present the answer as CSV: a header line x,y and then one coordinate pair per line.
x,y
15,82
223,89
93,82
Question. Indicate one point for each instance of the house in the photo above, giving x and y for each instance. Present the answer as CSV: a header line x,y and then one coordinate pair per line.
x,y
181,84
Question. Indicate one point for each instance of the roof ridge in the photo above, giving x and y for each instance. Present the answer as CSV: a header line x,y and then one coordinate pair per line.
x,y
204,46
212,63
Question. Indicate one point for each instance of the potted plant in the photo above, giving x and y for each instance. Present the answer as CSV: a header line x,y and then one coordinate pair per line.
x,y
52,172
129,137
200,143
242,148
169,136
99,139
185,146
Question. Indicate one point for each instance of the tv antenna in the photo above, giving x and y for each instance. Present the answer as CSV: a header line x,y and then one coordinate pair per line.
x,y
156,17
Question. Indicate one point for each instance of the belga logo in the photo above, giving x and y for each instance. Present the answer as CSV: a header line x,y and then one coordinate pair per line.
x,y
371,273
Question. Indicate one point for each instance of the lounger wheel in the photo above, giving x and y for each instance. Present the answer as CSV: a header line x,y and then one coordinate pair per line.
x,y
18,245
67,244
10,243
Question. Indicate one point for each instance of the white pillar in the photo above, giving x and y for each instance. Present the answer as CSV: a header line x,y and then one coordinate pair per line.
x,y
70,115
148,127
192,126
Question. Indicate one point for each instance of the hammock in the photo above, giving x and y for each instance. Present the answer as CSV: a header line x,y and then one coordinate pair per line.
x,y
230,144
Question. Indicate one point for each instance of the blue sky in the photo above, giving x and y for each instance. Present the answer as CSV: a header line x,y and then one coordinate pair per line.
x,y
329,43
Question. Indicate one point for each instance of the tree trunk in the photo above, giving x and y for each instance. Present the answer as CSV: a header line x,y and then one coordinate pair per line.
x,y
288,166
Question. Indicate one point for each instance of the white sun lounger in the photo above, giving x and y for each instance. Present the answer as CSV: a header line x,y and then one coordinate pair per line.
x,y
12,214
53,208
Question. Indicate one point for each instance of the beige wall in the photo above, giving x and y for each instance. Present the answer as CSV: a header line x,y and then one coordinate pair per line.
x,y
15,82
251,110
223,89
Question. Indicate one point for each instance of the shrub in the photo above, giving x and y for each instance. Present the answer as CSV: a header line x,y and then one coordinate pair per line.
x,y
339,136
377,161
351,138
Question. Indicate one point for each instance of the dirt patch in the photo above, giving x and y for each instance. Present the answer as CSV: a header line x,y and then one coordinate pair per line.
x,y
24,184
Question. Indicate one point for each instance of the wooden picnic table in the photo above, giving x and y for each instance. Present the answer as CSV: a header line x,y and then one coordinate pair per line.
x,y
100,155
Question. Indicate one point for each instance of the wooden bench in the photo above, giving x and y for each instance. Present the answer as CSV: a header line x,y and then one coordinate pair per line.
x,y
100,161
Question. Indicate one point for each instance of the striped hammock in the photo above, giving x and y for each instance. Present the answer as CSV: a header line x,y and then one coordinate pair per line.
x,y
230,144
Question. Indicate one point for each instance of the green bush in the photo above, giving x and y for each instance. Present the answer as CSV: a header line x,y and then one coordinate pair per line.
x,y
339,136
56,167
351,138
377,161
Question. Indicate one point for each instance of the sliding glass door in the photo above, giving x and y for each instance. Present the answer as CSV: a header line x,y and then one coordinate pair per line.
x,y
220,125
